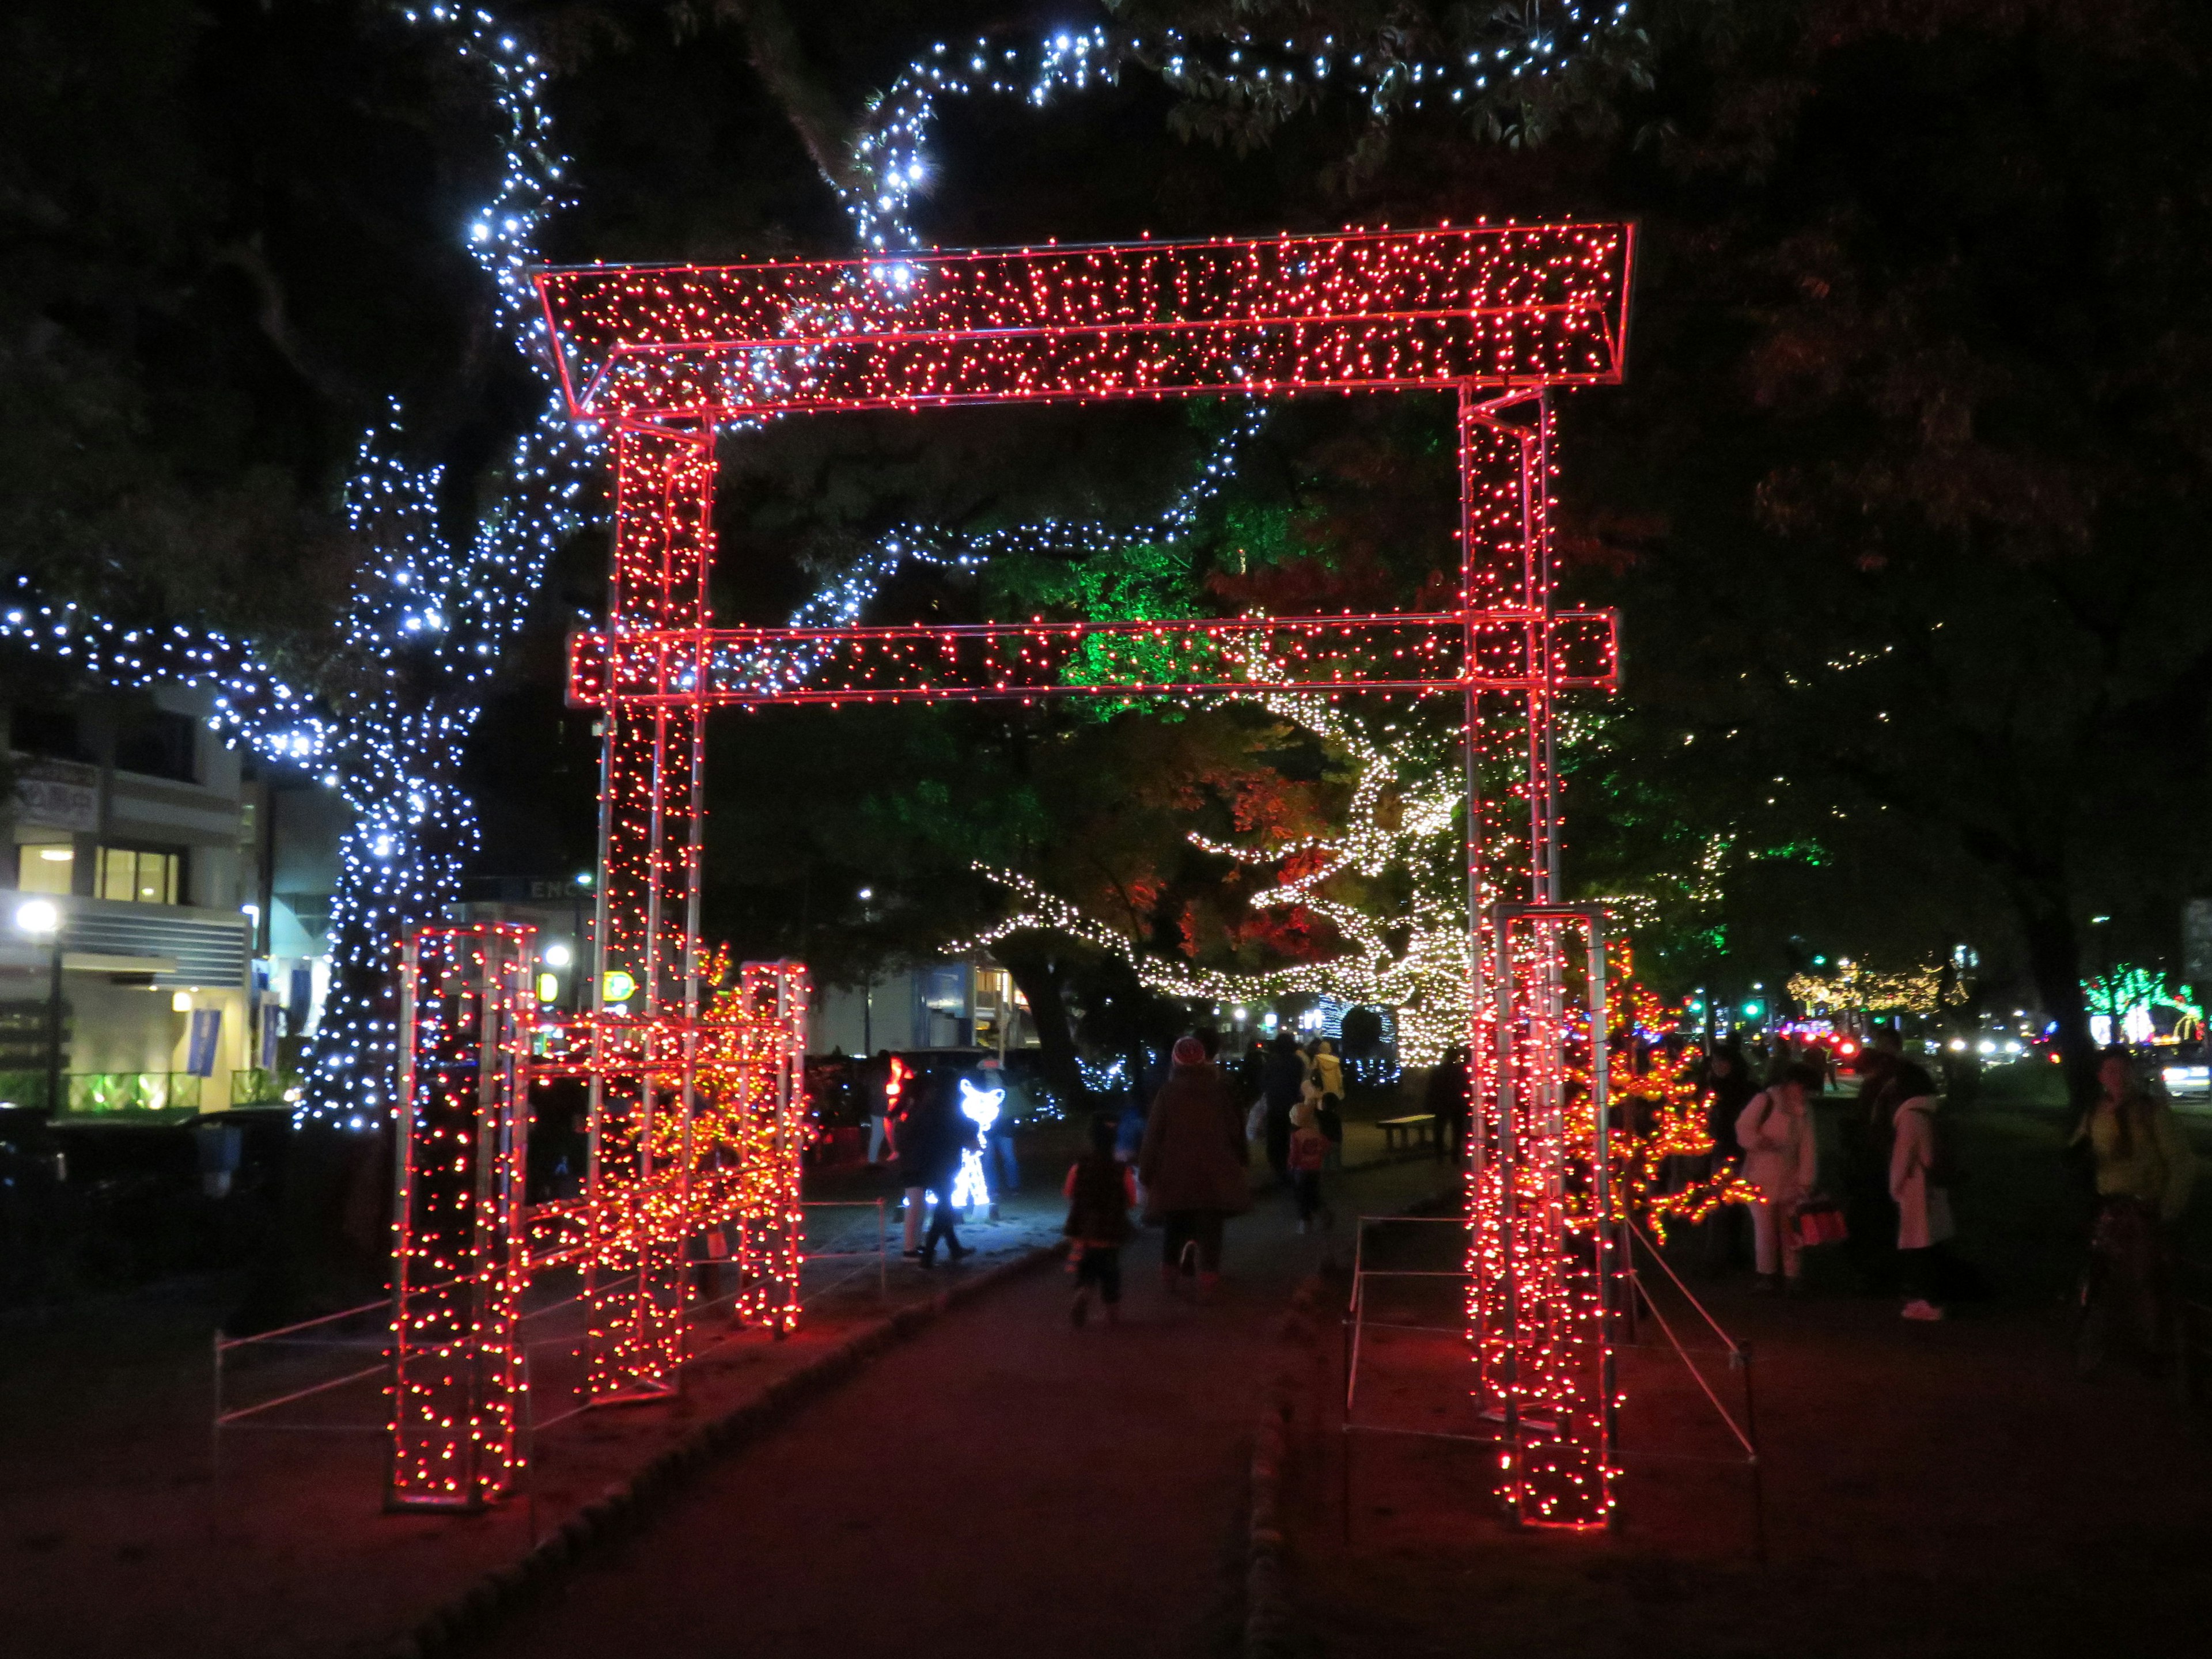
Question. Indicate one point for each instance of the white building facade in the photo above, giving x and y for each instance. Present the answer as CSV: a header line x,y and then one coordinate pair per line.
x,y
146,833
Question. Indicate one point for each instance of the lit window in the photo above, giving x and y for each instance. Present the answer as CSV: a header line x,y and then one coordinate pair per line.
x,y
45,867
138,876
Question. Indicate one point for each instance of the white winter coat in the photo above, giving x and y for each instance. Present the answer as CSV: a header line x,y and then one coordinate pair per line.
x,y
1779,1157
1924,1212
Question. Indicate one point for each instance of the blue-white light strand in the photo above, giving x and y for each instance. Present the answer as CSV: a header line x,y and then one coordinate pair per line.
x,y
842,600
420,634
425,624
1271,74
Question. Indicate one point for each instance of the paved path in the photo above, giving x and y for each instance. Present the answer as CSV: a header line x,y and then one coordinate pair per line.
x,y
1003,1484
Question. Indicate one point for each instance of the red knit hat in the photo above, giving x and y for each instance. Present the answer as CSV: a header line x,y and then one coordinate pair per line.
x,y
1189,1051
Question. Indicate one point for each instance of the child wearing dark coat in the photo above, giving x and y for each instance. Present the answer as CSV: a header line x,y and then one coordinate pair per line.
x,y
1100,1190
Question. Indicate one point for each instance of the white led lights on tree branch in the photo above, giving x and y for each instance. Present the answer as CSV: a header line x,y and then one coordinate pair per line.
x,y
1486,63
421,633
1422,975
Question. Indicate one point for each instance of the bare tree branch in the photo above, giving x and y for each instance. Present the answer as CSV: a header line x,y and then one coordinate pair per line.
x,y
780,59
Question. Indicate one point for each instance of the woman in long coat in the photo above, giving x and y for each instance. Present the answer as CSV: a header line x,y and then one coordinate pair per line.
x,y
1192,1165
1776,1133
1924,1209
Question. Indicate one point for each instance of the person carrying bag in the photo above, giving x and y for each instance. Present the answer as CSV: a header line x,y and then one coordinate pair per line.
x,y
1781,1160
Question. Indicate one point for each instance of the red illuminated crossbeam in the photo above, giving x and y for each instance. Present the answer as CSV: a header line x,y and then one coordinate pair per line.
x,y
1403,652
1493,305
662,1045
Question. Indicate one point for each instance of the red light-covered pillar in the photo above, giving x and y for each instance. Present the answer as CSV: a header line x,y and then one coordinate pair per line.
x,y
459,1270
646,999
1541,1261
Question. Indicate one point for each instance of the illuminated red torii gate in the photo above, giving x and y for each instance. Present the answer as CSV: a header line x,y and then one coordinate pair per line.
x,y
662,356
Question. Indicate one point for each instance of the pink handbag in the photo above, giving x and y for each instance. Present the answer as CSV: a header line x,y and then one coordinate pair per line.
x,y
1819,1221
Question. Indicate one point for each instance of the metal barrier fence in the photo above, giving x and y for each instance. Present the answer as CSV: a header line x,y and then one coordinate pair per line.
x,y
1739,1360
1359,1323
358,1339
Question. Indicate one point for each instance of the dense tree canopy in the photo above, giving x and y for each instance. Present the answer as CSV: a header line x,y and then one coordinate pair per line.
x,y
1902,502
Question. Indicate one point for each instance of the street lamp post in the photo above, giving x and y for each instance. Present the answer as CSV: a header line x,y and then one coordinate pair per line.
x,y
41,919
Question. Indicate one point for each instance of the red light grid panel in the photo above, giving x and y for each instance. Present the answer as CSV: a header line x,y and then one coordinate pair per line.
x,y
1404,651
1542,1251
714,1149
1499,306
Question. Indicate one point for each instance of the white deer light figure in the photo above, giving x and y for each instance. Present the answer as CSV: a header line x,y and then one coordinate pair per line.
x,y
981,1106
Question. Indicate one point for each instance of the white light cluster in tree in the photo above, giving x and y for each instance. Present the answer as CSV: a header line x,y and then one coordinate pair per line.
x,y
1402,817
1492,55
841,602
421,632
419,637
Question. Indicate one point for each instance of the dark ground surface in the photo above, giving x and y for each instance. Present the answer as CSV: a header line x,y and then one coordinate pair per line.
x,y
1003,1485
1006,1485
116,1542
1932,1491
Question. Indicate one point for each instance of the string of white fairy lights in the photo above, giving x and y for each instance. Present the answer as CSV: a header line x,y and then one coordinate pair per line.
x,y
1493,59
1479,61
1399,821
424,623
421,631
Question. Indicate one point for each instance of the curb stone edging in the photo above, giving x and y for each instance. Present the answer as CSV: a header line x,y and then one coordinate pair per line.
x,y
1271,1627
621,1508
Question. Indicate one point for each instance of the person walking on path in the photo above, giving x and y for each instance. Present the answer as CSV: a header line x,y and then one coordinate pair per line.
x,y
902,1136
1101,1191
2144,1172
1308,1156
1450,1101
1002,1164
938,1134
1327,1111
1192,1164
1865,1138
1283,1085
1328,1069
1727,1088
1917,1179
875,1088
1776,1133
2140,1150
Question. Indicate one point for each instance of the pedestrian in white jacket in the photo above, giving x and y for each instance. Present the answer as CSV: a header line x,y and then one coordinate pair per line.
x,y
1780,1158
1924,1208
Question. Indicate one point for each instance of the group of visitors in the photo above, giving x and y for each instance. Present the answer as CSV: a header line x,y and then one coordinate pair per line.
x,y
1183,1156
1191,1162
1898,1171
932,1121
1189,1175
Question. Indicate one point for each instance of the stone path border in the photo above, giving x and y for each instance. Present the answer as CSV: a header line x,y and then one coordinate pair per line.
x,y
626,1506
1272,1629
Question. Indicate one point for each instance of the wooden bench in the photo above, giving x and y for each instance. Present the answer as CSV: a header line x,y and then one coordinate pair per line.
x,y
1409,1134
